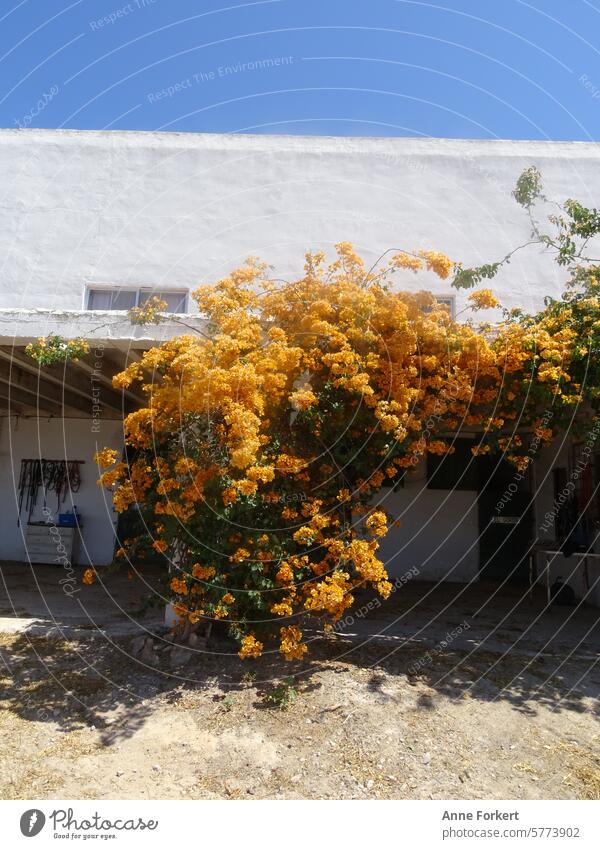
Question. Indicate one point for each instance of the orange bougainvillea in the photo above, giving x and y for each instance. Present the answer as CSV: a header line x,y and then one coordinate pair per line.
x,y
266,438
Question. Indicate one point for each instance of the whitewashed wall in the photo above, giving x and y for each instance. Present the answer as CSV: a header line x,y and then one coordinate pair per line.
x,y
70,439
174,210
169,209
437,535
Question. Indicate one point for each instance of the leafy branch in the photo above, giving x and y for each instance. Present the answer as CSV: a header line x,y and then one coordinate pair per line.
x,y
574,226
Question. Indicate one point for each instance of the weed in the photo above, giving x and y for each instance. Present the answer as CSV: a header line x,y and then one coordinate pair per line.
x,y
282,695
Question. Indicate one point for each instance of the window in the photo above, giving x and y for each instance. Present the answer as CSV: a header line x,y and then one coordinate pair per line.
x,y
448,301
458,470
105,298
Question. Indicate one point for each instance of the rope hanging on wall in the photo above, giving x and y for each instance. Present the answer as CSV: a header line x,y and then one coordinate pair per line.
x,y
59,476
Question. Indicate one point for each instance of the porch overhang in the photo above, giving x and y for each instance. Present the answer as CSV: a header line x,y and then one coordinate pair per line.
x,y
82,388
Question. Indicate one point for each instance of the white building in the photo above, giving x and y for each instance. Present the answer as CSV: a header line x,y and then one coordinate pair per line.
x,y
92,221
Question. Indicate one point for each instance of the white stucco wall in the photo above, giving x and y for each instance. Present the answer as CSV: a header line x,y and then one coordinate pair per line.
x,y
437,532
171,210
56,439
175,209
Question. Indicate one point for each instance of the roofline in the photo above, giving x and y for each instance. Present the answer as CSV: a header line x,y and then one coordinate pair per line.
x,y
349,144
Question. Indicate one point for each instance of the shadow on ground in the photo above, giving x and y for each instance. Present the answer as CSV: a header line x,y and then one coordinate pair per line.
x,y
70,661
96,681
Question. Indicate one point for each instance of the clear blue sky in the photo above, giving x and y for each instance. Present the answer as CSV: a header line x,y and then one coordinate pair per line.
x,y
457,68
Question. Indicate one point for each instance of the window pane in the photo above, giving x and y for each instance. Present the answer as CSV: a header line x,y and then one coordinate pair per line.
x,y
99,299
447,302
122,299
175,300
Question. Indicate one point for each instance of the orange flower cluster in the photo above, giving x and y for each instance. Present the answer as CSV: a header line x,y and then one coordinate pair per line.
x,y
263,442
291,647
250,647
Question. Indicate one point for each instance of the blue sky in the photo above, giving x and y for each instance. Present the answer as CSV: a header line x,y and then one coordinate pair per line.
x,y
457,68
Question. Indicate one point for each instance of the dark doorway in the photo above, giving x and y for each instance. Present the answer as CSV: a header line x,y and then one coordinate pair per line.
x,y
505,521
131,527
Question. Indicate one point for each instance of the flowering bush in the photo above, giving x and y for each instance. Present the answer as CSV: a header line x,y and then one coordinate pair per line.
x,y
264,441
558,345
257,458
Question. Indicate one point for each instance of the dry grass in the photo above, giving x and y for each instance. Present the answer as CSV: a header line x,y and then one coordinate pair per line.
x,y
584,768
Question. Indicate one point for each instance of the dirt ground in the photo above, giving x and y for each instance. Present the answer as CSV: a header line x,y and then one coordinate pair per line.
x,y
446,691
80,719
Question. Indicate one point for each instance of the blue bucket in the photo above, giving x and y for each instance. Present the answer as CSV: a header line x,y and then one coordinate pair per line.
x,y
67,520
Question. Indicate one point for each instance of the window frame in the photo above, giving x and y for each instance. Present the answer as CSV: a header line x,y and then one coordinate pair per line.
x,y
449,301
138,291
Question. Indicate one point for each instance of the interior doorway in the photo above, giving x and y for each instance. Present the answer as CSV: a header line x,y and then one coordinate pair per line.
x,y
505,521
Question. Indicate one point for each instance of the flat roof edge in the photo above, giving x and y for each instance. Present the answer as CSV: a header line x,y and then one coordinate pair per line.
x,y
247,141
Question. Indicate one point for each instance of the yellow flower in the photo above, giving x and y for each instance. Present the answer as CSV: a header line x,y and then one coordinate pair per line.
x,y
282,608
251,647
106,457
291,647
305,535
332,594
405,260
203,573
520,461
289,465
437,262
302,399
89,576
247,487
285,574
179,586
483,299
264,474
376,523
195,616
229,495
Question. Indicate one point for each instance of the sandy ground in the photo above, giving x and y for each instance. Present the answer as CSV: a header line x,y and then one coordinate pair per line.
x,y
437,695
81,720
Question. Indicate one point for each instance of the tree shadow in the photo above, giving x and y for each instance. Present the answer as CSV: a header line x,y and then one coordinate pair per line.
x,y
95,680
526,683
